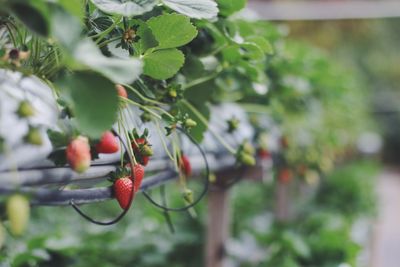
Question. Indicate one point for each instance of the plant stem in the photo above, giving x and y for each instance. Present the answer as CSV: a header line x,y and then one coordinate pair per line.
x,y
205,122
109,41
100,35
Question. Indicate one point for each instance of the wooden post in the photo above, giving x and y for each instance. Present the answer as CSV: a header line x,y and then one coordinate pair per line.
x,y
217,227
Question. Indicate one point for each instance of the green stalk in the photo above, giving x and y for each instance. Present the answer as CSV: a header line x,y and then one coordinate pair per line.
x,y
205,122
100,35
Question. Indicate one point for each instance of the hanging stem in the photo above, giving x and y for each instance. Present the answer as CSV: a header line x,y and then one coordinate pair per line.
x,y
205,122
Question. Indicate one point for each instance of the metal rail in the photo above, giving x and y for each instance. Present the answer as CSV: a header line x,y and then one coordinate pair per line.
x,y
325,10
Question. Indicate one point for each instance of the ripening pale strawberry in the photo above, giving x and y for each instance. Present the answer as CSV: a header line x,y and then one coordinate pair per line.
x,y
123,190
185,165
78,154
108,143
121,91
18,211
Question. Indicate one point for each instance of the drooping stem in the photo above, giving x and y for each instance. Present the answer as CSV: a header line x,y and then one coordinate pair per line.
x,y
205,122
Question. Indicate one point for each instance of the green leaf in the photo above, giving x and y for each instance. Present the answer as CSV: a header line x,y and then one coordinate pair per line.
x,y
58,139
127,8
198,9
146,39
32,17
94,101
252,51
65,28
262,43
163,64
119,70
228,7
172,30
75,7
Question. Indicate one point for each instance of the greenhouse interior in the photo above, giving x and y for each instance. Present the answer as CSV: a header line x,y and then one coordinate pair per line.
x,y
199,133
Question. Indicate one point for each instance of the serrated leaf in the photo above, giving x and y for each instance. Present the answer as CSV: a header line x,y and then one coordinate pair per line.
x,y
262,43
58,139
146,38
94,101
119,70
251,51
172,30
228,7
198,9
163,64
128,8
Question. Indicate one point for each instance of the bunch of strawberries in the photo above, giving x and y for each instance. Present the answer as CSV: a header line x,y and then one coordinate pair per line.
x,y
126,180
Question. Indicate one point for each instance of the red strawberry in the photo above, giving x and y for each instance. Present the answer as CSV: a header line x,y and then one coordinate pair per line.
x,y
185,165
285,176
123,190
78,154
263,153
108,143
121,91
138,174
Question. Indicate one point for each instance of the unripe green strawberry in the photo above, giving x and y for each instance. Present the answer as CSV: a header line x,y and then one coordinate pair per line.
x,y
246,159
146,116
25,109
188,195
78,154
172,93
248,148
146,151
34,137
189,123
18,211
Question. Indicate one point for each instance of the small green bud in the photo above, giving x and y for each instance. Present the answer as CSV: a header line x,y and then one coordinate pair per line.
x,y
34,137
172,93
146,116
233,125
25,109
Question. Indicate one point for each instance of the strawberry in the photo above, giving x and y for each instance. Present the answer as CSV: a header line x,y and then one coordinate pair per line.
x,y
263,153
285,176
78,154
18,211
138,175
185,165
108,143
142,150
123,190
121,91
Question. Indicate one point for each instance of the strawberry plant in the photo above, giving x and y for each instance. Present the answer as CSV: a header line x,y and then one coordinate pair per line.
x,y
127,84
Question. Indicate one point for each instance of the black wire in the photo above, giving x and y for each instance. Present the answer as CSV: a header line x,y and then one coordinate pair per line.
x,y
123,213
206,184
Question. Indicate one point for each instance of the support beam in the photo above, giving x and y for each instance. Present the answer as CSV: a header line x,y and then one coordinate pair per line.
x,y
325,10
217,227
